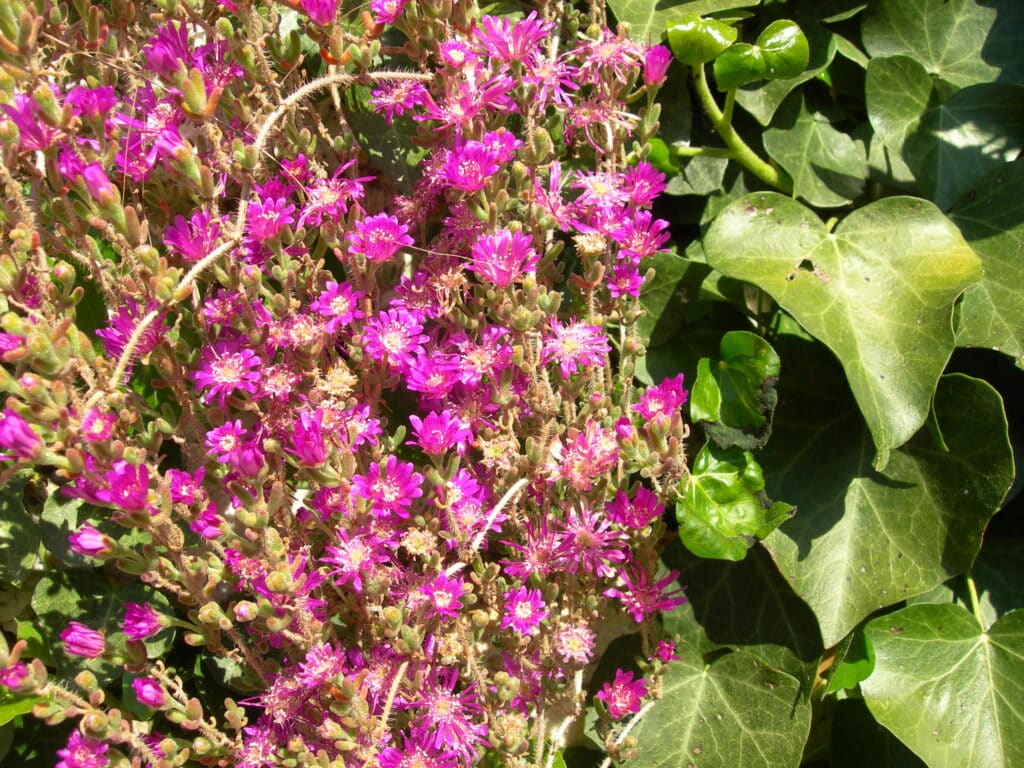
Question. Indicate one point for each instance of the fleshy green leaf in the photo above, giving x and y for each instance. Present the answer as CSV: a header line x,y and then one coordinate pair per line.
x,y
863,539
785,49
12,705
992,220
879,291
695,40
949,690
723,508
648,20
745,605
734,398
18,532
828,167
951,143
960,41
738,65
763,100
732,713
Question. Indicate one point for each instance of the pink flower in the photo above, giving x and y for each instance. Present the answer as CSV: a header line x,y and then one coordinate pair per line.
x,y
17,437
584,456
503,257
623,696
267,218
643,183
91,102
396,97
469,167
391,487
587,543
379,237
394,335
338,302
575,644
447,719
440,432
574,345
149,692
307,438
83,752
386,11
524,610
33,133
225,368
140,621
641,598
192,239
98,185
98,426
656,63
90,542
508,40
80,640
660,404
442,596
13,675
127,487
123,323
320,12
643,510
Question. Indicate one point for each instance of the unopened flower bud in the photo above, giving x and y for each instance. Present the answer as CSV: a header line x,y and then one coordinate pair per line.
x,y
17,436
90,542
80,640
149,692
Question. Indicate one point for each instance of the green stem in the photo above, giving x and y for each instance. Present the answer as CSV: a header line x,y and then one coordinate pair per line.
x,y
703,152
741,152
972,590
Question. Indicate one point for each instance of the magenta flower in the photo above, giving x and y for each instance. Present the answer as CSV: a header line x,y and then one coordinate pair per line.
x,y
356,557
88,541
396,336
643,183
486,357
267,218
441,596
140,621
390,487
624,695
574,345
447,718
416,752
665,651
643,510
98,425
583,457
469,167
524,610
98,185
386,11
192,239
641,598
439,433
187,487
149,692
396,97
503,257
83,752
340,303
588,543
17,437
91,102
225,368
379,237
663,400
233,445
307,438
656,63
167,54
14,674
641,235
508,40
127,487
320,12
123,322
80,640
33,133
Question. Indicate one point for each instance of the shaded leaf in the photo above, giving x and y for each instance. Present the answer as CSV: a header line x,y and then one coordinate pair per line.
x,y
13,704
949,143
856,663
723,508
18,532
828,167
763,100
732,713
862,539
992,221
879,291
648,19
858,741
960,41
950,691
734,397
748,605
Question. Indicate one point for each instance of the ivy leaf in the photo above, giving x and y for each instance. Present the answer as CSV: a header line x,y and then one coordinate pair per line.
x,y
732,713
659,294
948,689
879,291
723,507
864,539
827,166
856,663
992,220
960,41
18,532
949,143
13,704
648,20
763,100
63,516
734,399
744,605
858,741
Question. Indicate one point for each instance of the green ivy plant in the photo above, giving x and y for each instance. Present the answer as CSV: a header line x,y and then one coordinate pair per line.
x,y
845,184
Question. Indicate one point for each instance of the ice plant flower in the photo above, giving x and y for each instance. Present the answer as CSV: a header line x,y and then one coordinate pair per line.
x,y
391,487
83,752
438,433
225,368
90,542
18,437
149,692
575,345
140,621
502,257
379,237
524,610
624,695
80,640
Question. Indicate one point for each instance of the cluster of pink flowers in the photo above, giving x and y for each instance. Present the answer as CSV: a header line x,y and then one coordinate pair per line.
x,y
397,429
